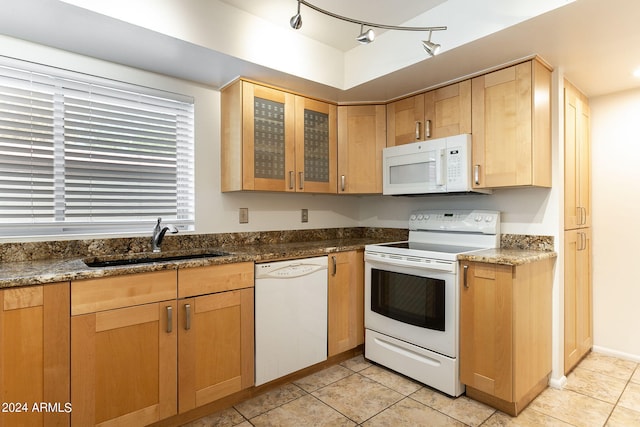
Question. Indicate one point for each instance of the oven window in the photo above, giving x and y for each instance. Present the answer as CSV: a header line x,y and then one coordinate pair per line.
x,y
409,299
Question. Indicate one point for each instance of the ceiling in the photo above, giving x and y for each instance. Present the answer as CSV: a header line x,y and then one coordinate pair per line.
x,y
594,43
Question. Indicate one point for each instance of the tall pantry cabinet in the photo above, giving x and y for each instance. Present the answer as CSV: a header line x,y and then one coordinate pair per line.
x,y
578,303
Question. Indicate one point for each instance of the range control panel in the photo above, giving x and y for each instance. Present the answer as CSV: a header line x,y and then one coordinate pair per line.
x,y
464,221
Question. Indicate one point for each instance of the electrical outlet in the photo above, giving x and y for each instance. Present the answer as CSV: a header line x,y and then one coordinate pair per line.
x,y
243,215
305,215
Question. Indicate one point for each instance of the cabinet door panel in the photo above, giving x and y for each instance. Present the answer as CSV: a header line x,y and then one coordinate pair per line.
x,y
486,340
402,119
361,138
268,132
34,353
316,146
216,346
578,314
449,110
346,301
123,365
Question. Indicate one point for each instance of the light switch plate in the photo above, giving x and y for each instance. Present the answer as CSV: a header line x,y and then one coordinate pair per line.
x,y
305,215
243,215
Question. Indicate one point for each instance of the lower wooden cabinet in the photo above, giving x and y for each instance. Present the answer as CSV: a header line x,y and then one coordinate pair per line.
x,y
34,356
505,332
346,301
578,299
216,333
124,349
145,347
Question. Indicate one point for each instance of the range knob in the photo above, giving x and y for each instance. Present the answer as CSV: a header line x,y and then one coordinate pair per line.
x,y
478,218
488,219
412,217
420,217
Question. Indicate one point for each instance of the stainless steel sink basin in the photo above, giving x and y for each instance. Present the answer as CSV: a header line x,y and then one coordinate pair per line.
x,y
146,259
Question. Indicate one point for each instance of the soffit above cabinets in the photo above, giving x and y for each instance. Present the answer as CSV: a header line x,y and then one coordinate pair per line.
x,y
214,41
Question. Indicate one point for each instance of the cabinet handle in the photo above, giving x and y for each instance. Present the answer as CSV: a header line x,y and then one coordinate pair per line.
x,y
301,176
335,265
476,174
187,312
417,131
342,182
583,215
291,184
465,273
169,319
427,129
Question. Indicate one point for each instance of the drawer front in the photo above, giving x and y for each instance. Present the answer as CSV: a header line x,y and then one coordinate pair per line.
x,y
93,295
214,278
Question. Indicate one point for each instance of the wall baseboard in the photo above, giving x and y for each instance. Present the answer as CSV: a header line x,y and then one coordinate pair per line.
x,y
615,353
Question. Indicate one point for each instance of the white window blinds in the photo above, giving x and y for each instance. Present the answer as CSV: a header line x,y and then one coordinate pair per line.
x,y
80,154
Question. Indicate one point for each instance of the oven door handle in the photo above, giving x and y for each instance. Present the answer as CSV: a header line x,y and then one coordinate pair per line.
x,y
436,266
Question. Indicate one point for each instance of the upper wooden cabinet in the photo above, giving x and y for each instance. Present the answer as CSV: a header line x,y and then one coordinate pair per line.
x,y
577,159
361,138
511,117
435,114
274,140
34,355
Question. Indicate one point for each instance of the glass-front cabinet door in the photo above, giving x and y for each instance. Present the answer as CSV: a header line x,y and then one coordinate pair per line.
x,y
316,146
268,156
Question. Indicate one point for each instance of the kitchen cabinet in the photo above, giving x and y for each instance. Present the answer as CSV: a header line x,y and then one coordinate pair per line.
x,y
578,297
141,343
216,327
578,304
273,140
124,349
346,301
34,355
438,113
511,116
361,138
505,332
577,159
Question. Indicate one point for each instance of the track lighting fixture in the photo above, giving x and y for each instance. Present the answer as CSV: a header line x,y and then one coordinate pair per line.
x,y
366,37
431,47
296,20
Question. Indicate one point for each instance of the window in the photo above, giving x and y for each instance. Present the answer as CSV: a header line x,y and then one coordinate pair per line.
x,y
80,154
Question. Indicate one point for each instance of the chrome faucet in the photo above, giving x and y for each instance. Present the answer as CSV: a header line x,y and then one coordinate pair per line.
x,y
158,234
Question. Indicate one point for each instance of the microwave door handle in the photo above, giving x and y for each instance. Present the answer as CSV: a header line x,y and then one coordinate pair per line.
x,y
440,168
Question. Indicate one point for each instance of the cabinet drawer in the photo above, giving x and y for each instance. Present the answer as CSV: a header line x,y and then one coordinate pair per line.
x,y
214,278
89,296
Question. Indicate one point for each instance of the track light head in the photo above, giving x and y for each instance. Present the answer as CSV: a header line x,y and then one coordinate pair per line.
x,y
296,20
366,37
430,47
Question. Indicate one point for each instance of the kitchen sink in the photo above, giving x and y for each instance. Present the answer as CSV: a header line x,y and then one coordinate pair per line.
x,y
146,259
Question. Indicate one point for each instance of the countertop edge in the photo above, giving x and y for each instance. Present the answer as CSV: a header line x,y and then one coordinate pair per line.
x,y
511,257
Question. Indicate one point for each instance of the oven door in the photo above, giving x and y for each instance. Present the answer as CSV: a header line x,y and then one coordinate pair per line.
x,y
410,301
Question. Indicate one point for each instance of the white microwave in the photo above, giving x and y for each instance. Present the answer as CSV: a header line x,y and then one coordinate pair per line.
x,y
435,166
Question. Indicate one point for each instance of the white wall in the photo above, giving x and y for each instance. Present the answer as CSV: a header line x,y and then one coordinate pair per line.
x,y
615,177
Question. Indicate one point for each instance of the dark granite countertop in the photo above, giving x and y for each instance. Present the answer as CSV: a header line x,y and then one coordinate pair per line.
x,y
37,272
24,264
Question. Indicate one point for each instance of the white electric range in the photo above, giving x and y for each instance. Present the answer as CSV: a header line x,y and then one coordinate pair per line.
x,y
412,294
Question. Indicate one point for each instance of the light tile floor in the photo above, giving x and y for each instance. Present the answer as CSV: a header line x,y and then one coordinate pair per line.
x,y
601,391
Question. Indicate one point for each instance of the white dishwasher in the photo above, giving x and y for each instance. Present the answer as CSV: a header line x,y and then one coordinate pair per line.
x,y
290,316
